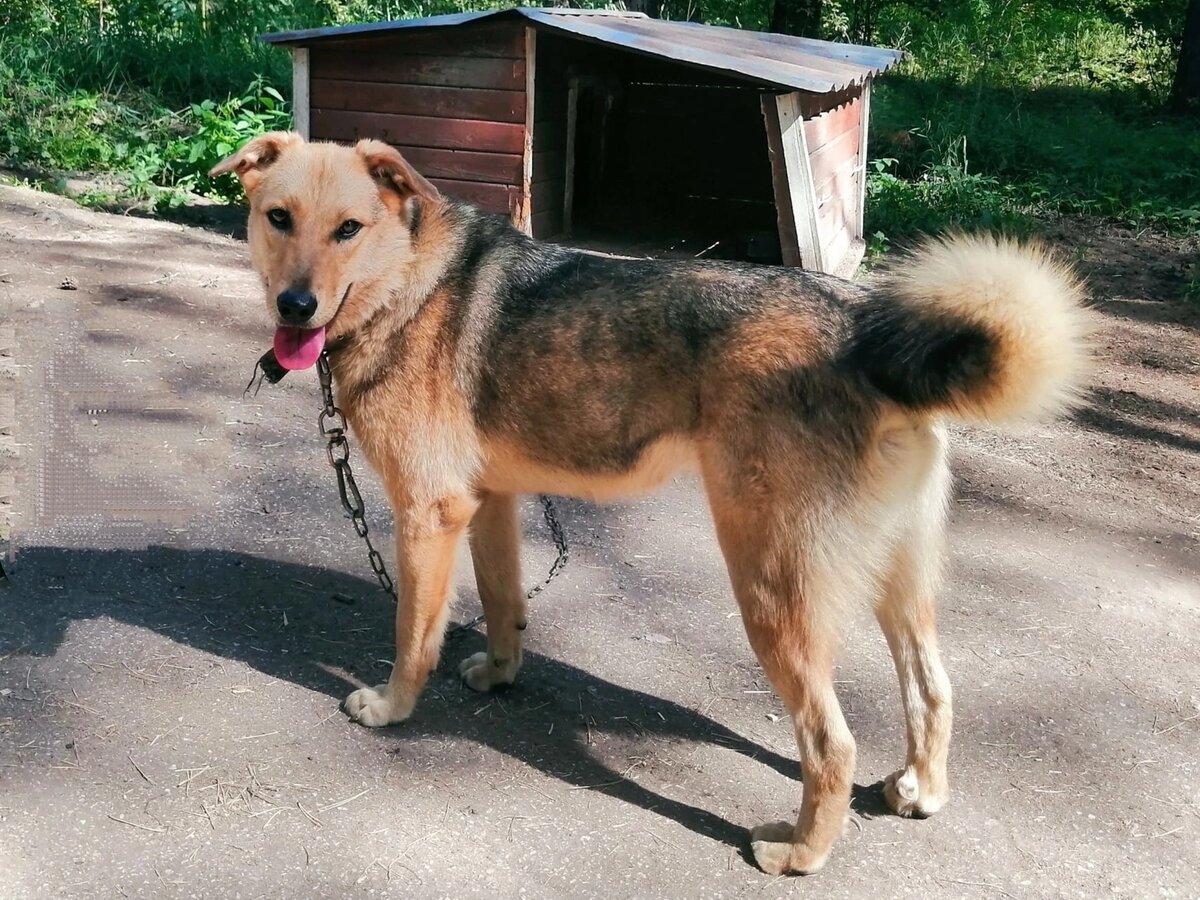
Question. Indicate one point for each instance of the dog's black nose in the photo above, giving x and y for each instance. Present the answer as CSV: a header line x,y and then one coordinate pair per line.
x,y
296,306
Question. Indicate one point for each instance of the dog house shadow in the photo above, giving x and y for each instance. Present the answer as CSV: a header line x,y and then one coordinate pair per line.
x,y
611,130
207,599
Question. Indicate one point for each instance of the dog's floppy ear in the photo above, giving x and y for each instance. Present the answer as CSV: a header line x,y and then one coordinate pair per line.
x,y
250,161
393,171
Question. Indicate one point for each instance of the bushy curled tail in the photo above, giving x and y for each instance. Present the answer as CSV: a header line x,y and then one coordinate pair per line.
x,y
978,328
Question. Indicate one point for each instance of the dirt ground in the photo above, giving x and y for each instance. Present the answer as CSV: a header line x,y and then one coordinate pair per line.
x,y
169,691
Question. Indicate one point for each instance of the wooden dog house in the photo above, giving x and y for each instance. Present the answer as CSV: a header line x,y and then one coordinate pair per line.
x,y
597,125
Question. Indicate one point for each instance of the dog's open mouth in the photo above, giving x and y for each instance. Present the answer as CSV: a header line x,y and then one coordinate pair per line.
x,y
298,348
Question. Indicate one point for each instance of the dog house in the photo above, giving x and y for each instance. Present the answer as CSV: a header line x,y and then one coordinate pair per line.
x,y
612,128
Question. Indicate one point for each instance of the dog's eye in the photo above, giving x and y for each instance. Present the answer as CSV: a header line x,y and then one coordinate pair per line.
x,y
279,218
348,229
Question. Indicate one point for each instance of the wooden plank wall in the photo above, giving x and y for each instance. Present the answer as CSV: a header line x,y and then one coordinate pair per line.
x,y
833,131
453,101
549,138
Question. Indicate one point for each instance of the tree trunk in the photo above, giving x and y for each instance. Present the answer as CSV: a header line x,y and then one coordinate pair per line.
x,y
801,17
1185,93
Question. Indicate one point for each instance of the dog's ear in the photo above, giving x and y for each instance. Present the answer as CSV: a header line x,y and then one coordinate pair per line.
x,y
393,172
249,163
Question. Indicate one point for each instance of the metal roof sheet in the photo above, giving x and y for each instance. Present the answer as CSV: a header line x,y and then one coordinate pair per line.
x,y
775,60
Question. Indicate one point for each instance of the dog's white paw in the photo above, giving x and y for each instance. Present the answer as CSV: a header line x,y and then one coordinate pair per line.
x,y
904,796
776,853
375,707
482,675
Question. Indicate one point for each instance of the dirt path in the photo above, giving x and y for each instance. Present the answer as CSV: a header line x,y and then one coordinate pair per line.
x,y
168,692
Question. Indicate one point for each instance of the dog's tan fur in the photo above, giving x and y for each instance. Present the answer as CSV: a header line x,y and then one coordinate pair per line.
x,y
475,365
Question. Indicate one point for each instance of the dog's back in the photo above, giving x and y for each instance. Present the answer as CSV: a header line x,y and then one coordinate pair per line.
x,y
588,361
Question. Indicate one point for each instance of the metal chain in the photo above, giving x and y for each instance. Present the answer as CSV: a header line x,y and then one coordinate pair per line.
x,y
333,428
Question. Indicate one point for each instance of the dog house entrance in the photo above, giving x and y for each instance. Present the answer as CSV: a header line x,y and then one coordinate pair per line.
x,y
649,162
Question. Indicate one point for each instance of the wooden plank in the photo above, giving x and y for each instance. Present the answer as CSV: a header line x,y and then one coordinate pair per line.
x,y
828,126
301,104
547,224
464,165
835,216
840,153
419,131
852,259
797,165
548,165
840,188
864,127
525,217
835,250
547,195
500,40
419,100
789,247
437,71
569,176
498,198
549,135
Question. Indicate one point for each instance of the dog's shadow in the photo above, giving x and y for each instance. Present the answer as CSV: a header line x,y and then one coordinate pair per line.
x,y
212,599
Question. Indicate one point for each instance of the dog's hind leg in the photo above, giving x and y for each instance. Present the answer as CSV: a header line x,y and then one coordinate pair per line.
x,y
495,551
905,611
789,598
426,540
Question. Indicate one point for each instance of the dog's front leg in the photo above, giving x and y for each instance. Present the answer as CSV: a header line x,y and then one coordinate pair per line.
x,y
496,552
427,536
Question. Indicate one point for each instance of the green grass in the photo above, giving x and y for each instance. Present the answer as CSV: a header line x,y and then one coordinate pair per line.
x,y
1005,113
949,155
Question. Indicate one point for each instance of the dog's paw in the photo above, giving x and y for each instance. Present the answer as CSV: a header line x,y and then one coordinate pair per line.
x,y
776,854
482,675
375,707
904,796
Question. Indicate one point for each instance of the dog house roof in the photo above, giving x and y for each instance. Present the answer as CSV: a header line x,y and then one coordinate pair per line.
x,y
773,60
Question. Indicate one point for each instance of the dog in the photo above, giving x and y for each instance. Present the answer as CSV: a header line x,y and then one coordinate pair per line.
x,y
475,364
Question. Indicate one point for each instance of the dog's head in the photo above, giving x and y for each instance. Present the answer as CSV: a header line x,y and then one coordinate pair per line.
x,y
327,223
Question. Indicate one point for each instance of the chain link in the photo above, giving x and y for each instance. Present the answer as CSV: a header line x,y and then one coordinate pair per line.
x,y
332,424
333,427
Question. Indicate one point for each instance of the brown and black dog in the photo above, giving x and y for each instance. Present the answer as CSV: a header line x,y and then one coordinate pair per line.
x,y
475,364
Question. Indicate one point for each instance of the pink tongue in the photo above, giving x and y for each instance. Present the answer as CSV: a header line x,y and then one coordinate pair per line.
x,y
298,348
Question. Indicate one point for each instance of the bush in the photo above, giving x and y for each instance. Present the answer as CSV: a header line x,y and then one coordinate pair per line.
x,y
44,125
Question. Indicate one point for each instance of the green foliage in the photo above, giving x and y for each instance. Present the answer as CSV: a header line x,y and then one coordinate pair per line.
x,y
211,131
1021,153
152,148
1004,112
